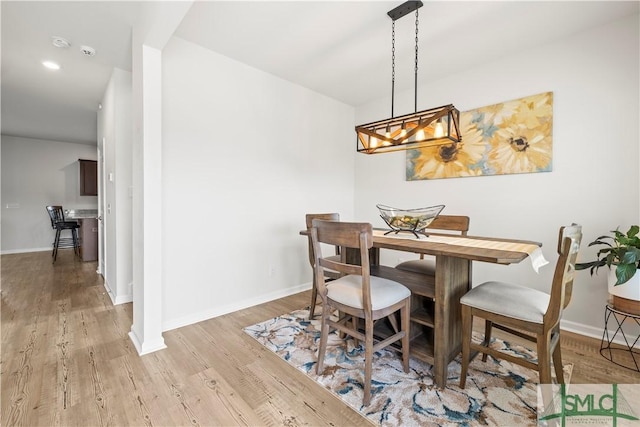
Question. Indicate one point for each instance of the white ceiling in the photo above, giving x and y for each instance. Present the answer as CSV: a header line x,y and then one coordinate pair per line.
x,y
337,48
60,105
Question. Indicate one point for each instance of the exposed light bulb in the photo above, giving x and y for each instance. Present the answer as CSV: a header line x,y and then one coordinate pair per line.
x,y
373,142
439,130
51,65
420,134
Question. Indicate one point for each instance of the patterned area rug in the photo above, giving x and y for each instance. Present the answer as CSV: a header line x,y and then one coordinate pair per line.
x,y
497,392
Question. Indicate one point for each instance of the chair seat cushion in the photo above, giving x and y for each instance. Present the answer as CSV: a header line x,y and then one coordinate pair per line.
x,y
63,225
384,292
424,266
518,302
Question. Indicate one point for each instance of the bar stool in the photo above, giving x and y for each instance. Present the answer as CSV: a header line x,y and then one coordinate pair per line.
x,y
58,223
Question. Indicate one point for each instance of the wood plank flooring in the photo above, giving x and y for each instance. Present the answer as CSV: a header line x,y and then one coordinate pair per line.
x,y
67,360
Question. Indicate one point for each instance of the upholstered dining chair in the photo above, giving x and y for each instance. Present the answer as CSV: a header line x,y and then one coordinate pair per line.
x,y
329,274
447,223
525,312
60,224
356,294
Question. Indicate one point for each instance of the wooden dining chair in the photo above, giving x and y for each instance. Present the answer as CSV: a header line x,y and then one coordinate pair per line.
x,y
329,274
447,223
525,312
356,294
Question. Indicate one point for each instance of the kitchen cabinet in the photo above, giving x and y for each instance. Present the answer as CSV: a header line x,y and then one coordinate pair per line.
x,y
88,239
87,233
88,177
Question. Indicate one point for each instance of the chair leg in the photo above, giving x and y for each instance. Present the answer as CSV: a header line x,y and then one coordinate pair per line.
x,y
544,359
324,336
354,325
393,320
405,315
341,334
557,362
467,326
368,360
488,324
314,297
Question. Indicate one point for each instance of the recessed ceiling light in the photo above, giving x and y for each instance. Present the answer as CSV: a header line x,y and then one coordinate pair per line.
x,y
51,65
87,50
60,42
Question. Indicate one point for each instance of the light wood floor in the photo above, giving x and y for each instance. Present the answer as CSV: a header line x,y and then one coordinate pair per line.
x,y
66,359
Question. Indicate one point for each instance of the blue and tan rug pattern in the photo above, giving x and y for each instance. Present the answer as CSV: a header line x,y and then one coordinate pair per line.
x,y
497,392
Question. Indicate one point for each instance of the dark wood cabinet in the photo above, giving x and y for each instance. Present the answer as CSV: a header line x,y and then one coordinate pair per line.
x,y
88,177
88,234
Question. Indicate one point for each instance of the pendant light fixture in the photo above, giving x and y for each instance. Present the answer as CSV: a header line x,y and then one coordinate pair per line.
x,y
427,128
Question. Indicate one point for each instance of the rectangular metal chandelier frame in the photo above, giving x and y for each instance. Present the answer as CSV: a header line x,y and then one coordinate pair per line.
x,y
427,128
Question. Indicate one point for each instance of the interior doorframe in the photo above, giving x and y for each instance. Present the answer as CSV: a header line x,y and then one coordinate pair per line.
x,y
102,253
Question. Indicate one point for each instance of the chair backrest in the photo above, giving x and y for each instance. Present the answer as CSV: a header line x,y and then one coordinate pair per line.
x,y
447,223
56,214
569,240
357,235
325,216
450,223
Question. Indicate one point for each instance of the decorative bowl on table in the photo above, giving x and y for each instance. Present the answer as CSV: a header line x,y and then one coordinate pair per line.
x,y
409,220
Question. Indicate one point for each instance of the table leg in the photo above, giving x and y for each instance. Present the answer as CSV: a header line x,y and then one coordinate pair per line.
x,y
453,280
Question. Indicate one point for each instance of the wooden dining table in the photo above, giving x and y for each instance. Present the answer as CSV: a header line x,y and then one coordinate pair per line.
x,y
436,335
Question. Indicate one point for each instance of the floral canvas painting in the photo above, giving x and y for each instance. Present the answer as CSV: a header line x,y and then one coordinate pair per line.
x,y
507,138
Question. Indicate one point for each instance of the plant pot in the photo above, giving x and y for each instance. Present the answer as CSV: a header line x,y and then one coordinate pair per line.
x,y
625,297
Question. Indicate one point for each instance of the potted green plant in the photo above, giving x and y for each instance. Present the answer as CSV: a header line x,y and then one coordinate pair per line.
x,y
622,251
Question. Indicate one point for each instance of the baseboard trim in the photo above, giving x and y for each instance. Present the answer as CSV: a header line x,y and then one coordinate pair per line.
x,y
117,299
580,329
230,308
146,348
123,299
24,251
109,291
589,331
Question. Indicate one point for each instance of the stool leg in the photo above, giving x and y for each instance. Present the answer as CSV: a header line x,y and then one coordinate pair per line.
x,y
55,245
76,242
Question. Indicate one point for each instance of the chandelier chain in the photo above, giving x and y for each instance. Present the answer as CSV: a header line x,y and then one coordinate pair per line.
x,y
416,60
393,63
416,68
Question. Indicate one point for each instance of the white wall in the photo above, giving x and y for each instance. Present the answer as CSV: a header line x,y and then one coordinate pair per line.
x,y
245,156
37,173
594,77
156,23
116,132
123,178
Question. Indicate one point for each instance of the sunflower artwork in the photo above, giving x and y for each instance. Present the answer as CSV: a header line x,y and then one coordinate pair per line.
x,y
507,138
